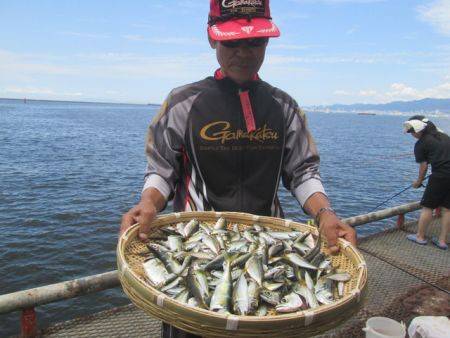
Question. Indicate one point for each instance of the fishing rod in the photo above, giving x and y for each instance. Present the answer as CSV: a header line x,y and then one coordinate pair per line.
x,y
390,198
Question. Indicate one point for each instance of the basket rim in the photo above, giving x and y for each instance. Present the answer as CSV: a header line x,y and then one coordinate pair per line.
x,y
126,271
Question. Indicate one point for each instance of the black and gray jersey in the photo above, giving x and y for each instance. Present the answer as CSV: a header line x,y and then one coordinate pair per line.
x,y
207,150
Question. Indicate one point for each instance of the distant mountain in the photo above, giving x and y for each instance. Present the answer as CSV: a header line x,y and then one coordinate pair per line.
x,y
419,106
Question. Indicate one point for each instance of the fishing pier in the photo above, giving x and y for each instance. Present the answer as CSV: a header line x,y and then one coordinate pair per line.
x,y
405,280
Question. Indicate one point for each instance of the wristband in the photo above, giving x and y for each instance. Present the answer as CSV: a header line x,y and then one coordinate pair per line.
x,y
320,212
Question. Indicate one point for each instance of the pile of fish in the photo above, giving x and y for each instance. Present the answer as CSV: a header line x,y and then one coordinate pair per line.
x,y
244,271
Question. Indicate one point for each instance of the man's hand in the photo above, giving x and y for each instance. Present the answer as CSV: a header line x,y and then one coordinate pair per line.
x,y
333,228
144,214
417,184
152,201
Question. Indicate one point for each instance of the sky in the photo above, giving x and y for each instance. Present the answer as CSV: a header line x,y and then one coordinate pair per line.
x,y
330,51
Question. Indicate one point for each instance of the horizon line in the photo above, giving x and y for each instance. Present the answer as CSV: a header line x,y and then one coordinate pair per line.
x,y
159,104
70,101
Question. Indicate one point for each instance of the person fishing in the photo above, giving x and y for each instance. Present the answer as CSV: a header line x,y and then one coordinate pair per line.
x,y
225,142
432,147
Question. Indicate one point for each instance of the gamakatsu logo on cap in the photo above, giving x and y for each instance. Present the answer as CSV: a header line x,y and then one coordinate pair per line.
x,y
237,3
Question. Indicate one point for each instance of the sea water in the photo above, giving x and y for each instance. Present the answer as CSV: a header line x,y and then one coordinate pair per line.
x,y
68,171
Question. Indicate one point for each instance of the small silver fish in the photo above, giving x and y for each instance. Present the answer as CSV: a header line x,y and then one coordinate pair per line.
x,y
290,303
194,238
198,286
323,291
261,311
272,286
172,285
275,248
183,297
299,261
341,287
270,297
192,302
309,281
248,236
211,243
325,264
253,296
241,260
190,228
237,246
339,276
274,272
283,235
175,291
241,304
309,241
221,298
175,243
180,228
307,294
254,269
157,273
221,224
301,248
258,228
205,228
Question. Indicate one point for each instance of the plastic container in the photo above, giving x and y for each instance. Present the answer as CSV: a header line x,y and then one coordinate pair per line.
x,y
382,327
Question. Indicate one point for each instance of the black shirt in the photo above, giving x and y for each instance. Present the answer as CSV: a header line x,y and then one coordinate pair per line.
x,y
435,151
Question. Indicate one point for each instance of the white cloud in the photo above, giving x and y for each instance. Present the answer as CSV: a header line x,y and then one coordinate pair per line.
x,y
401,91
166,40
340,92
16,67
352,30
367,93
437,14
339,1
398,92
323,59
38,91
85,35
28,90
292,46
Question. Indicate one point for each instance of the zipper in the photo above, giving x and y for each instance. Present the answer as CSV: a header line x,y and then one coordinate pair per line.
x,y
247,110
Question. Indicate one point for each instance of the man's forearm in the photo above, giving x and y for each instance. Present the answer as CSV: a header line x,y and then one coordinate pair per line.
x,y
423,168
152,195
316,202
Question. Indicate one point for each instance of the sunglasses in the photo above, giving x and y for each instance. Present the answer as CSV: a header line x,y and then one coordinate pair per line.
x,y
256,42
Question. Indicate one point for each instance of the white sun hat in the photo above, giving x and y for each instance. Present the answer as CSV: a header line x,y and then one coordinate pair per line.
x,y
415,126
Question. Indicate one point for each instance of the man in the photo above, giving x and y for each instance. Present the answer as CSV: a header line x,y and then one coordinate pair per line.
x,y
432,147
224,143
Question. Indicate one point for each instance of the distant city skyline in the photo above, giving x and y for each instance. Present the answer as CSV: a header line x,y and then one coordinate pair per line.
x,y
330,51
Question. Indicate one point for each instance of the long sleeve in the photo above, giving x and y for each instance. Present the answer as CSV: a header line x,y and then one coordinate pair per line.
x,y
301,160
164,152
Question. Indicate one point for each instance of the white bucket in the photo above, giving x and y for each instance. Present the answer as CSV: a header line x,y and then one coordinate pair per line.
x,y
382,327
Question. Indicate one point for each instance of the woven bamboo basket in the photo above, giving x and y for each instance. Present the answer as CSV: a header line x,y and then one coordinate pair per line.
x,y
211,324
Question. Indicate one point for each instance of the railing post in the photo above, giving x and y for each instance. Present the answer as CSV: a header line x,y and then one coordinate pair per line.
x,y
28,323
401,221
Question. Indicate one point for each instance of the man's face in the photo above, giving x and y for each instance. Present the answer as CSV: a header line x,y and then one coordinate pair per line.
x,y
241,62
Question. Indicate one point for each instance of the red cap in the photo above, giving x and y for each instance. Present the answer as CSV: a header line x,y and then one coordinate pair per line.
x,y
240,19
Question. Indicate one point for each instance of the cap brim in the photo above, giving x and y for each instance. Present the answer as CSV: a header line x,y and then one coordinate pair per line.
x,y
243,29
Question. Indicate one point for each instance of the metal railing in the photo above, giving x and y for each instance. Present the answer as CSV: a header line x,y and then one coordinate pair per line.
x,y
401,210
27,300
